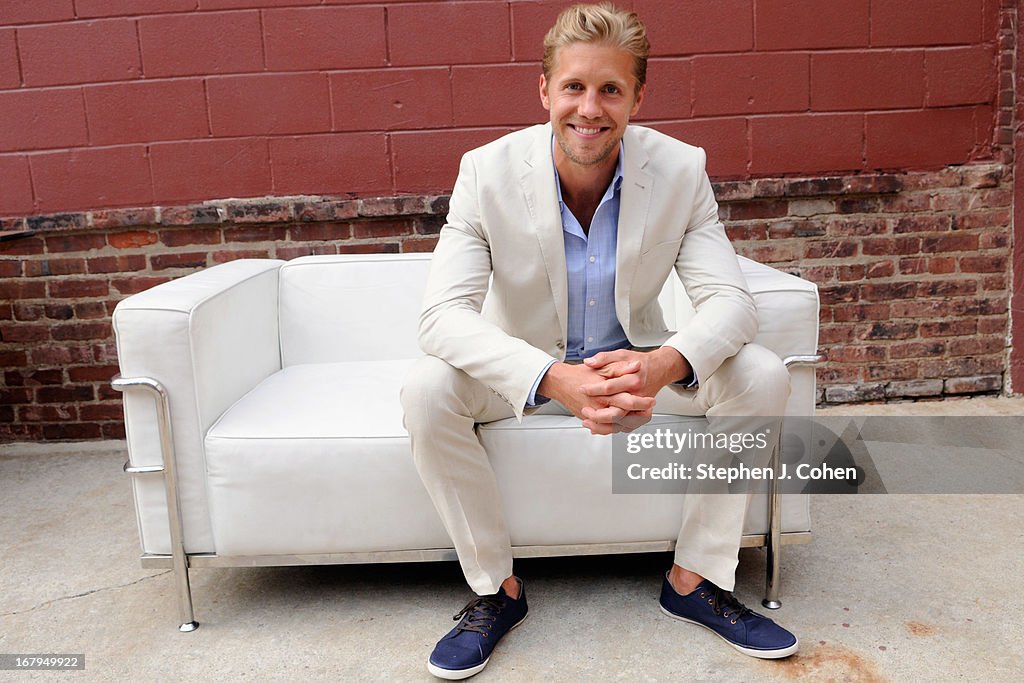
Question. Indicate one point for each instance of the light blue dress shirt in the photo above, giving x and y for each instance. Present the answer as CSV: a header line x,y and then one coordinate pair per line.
x,y
592,326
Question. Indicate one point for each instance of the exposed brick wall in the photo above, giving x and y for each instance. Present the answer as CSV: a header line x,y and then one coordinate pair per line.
x,y
119,103
913,271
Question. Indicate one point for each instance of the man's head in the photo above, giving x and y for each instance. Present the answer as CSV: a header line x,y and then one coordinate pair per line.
x,y
595,69
602,24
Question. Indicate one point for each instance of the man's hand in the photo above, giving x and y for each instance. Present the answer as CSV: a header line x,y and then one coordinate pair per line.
x,y
603,413
637,372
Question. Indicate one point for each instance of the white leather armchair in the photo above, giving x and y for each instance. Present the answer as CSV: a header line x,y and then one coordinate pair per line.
x,y
261,400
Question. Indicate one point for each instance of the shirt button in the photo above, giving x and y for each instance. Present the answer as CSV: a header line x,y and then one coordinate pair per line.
x,y
592,259
593,302
590,339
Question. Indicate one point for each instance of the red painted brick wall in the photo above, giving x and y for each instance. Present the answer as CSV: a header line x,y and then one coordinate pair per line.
x,y
119,103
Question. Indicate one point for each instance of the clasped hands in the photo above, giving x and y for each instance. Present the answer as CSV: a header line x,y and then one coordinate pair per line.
x,y
614,391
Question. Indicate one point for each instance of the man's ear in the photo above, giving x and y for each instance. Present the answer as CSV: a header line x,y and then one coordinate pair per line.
x,y
543,86
639,99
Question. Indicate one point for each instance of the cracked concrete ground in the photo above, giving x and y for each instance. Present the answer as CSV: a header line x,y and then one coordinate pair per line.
x,y
893,588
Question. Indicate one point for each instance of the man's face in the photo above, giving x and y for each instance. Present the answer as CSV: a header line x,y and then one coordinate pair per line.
x,y
591,96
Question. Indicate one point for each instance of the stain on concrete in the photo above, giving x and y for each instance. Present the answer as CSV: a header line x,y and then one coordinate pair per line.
x,y
829,663
918,628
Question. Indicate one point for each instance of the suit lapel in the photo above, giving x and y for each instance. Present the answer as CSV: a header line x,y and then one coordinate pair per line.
x,y
634,204
537,180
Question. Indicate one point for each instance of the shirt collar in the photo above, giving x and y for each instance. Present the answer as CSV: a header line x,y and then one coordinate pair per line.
x,y
613,186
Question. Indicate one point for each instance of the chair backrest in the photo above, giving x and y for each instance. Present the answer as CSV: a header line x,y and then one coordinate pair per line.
x,y
367,306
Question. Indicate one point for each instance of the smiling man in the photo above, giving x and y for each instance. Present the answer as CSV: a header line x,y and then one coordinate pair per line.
x,y
569,230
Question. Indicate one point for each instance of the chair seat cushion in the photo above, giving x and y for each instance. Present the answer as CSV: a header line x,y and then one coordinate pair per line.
x,y
315,460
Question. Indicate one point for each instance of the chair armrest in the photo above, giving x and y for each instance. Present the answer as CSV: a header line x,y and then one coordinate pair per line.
x,y
208,338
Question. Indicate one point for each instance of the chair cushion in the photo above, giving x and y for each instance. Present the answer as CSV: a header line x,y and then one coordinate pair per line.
x,y
315,460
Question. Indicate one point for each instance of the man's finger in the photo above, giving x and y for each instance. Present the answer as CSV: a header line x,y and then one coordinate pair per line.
x,y
599,360
615,385
631,403
604,415
619,368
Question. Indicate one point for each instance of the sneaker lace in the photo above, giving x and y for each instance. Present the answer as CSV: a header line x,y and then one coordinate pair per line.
x,y
724,604
479,614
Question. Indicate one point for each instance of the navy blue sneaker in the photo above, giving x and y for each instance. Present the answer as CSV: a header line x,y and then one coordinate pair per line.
x,y
465,650
718,611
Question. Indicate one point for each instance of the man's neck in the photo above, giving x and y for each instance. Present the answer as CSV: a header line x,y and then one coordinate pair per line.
x,y
583,186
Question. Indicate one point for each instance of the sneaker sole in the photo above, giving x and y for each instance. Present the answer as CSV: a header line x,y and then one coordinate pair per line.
x,y
459,674
750,652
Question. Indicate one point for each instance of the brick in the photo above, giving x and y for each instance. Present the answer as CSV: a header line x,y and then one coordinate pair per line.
x,y
917,349
38,119
146,111
27,312
874,184
208,169
22,289
922,223
973,385
53,54
892,371
49,413
256,233
724,140
434,33
747,231
668,90
754,210
320,231
983,264
888,291
512,97
288,253
860,226
135,284
16,188
38,267
1000,218
269,103
773,253
961,75
982,177
190,260
889,330
90,310
949,328
867,80
530,23
698,26
418,245
234,4
854,393
429,161
10,70
976,347
997,325
890,246
116,264
403,99
59,221
192,215
995,282
825,249
925,22
132,239
185,236
61,244
225,256
113,430
11,359
429,225
947,288
122,218
74,289
382,228
71,432
61,355
327,210
325,38
757,84
913,266
334,163
22,246
35,377
778,144
59,311
962,367
10,268
35,11
952,242
881,269
370,248
81,332
807,24
855,354
393,206
101,411
120,8
259,211
194,44
919,138
914,388
838,294
95,177
904,203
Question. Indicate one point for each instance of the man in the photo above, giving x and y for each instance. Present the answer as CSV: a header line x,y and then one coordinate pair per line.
x,y
570,229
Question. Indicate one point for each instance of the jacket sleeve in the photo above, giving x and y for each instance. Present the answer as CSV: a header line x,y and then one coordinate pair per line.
x,y
726,318
451,325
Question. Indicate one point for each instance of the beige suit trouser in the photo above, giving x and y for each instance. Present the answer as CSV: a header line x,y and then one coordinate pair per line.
x,y
443,405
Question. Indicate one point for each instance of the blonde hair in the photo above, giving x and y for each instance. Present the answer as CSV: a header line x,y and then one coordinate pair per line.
x,y
604,24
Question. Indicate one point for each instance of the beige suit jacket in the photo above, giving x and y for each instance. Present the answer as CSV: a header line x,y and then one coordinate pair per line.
x,y
496,299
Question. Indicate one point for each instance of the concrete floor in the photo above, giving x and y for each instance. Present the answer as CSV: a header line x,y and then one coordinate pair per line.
x,y
893,588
